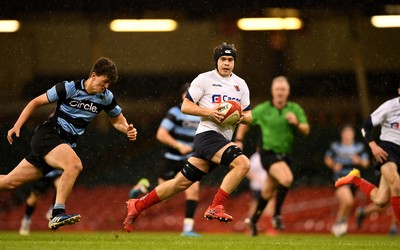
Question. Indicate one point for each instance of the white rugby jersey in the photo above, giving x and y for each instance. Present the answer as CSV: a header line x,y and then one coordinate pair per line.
x,y
388,116
257,171
210,88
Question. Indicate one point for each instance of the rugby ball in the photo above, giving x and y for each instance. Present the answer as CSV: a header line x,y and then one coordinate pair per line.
x,y
232,112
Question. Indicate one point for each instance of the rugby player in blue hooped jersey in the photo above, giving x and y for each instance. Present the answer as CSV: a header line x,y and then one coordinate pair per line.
x,y
212,142
78,103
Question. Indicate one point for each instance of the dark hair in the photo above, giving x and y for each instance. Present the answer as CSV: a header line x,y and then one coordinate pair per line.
x,y
105,67
224,49
346,125
184,88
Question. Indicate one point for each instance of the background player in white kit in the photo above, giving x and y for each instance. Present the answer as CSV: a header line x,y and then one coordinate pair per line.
x,y
212,143
257,176
387,155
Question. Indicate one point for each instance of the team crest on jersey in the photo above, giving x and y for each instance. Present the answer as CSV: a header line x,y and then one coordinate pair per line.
x,y
216,98
237,88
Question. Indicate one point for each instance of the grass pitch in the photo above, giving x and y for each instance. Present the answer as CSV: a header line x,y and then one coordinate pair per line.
x,y
173,241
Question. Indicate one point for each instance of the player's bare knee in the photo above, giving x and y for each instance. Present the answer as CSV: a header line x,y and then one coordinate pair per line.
x,y
246,164
381,204
287,182
183,184
266,195
242,164
348,202
395,190
231,158
75,168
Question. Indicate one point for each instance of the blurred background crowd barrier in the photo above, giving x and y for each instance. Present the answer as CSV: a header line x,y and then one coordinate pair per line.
x,y
339,64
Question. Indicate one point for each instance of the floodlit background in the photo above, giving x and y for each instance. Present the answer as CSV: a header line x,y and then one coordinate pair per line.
x,y
340,65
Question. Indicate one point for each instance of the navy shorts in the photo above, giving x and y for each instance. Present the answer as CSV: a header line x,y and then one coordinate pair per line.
x,y
269,157
46,137
169,168
393,151
207,144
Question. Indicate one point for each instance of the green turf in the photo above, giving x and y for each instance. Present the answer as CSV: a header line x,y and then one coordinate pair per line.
x,y
173,241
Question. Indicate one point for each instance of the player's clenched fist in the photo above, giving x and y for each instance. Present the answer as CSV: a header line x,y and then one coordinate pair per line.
x,y
131,133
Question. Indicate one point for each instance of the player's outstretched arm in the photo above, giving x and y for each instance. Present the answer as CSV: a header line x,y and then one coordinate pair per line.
x,y
122,125
25,114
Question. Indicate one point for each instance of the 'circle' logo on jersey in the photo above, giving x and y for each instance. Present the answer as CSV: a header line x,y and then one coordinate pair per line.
x,y
87,106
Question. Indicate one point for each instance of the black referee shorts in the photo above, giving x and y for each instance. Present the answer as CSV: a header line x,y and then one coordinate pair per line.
x,y
269,157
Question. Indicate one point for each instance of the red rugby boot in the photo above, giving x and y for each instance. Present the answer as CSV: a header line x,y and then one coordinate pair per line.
x,y
132,215
217,212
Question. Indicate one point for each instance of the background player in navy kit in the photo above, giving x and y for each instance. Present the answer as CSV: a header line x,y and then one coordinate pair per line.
x,y
387,155
177,132
341,158
212,143
39,188
78,103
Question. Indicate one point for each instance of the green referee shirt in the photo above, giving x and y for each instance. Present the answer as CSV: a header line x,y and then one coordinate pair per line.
x,y
277,133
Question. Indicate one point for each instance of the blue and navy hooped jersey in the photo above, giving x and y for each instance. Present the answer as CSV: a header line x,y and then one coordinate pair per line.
x,y
76,108
342,154
182,127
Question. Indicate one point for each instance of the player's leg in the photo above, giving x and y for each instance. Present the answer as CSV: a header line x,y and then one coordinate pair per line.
x,y
38,189
30,207
165,190
282,173
362,212
267,192
393,229
346,200
391,178
354,178
232,156
65,158
192,198
56,180
23,173
168,170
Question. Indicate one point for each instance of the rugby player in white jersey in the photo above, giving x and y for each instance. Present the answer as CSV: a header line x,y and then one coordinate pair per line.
x,y
212,143
387,155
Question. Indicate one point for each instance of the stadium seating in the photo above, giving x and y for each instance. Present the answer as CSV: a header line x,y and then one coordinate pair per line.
x,y
103,209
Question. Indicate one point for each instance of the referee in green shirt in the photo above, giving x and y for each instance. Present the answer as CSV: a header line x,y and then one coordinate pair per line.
x,y
278,119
